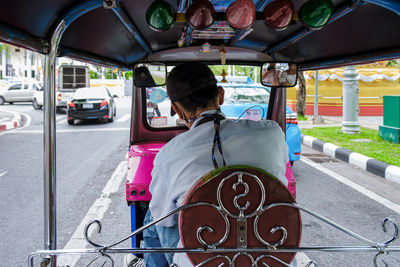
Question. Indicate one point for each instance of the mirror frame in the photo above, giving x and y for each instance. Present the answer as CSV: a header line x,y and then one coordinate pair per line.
x,y
277,86
139,83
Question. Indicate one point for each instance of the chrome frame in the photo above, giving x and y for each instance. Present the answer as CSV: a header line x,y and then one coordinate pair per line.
x,y
50,231
104,252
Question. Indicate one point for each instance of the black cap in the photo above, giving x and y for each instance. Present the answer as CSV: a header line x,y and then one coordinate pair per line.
x,y
188,78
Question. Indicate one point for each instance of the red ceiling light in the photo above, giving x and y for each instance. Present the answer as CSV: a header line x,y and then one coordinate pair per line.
x,y
201,14
279,14
241,14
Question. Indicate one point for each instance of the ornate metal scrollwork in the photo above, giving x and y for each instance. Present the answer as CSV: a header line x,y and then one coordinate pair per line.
x,y
214,258
240,181
271,257
383,250
395,233
86,233
202,228
254,262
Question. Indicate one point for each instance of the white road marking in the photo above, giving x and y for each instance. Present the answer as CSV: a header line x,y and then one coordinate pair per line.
x,y
3,173
24,109
60,119
76,130
96,211
124,118
381,200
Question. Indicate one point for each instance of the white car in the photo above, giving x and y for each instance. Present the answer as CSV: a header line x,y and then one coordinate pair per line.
x,y
19,92
61,99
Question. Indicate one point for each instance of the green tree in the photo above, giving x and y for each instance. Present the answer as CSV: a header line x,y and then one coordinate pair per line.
x,y
128,75
248,71
110,74
393,63
6,49
93,75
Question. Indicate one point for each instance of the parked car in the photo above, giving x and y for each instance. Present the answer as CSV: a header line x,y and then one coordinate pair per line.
x,y
249,101
91,103
61,99
22,91
37,100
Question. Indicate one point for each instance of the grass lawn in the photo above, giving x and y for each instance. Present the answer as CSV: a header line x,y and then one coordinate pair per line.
x,y
301,118
378,148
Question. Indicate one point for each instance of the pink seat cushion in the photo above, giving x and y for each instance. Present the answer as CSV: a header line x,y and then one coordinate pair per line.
x,y
206,190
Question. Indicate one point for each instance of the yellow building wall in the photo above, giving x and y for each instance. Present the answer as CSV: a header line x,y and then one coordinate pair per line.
x,y
330,92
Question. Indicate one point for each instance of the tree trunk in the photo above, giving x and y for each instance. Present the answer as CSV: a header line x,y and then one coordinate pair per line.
x,y
301,95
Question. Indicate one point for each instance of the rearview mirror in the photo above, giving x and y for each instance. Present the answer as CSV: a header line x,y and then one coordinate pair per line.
x,y
150,75
279,74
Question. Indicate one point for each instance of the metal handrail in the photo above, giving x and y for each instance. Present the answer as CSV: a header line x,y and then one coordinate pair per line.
x,y
380,249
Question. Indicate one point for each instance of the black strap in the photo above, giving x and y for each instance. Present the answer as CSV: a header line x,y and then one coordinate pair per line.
x,y
217,139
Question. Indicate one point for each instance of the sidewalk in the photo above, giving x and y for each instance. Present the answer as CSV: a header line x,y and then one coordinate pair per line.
x,y
371,122
9,120
369,164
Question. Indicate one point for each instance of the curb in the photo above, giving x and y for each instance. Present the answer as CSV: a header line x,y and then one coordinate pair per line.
x,y
368,164
13,123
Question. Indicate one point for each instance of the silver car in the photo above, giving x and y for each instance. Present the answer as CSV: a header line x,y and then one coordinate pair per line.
x,y
19,92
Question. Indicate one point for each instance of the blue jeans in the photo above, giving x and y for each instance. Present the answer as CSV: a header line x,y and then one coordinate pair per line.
x,y
159,236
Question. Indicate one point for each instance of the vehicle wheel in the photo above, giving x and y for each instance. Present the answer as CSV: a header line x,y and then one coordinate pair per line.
x,y
111,119
35,104
10,103
71,122
1,100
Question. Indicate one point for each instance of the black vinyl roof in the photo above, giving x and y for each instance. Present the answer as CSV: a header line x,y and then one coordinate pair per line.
x,y
359,31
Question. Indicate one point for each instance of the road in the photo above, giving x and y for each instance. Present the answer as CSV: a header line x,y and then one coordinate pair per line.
x,y
89,153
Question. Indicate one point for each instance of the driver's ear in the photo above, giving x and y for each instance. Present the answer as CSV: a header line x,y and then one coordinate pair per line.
x,y
221,95
177,110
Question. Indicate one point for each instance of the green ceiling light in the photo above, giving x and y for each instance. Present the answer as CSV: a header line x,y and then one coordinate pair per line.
x,y
316,13
160,16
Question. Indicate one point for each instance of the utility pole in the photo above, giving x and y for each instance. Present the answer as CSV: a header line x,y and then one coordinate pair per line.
x,y
316,118
350,124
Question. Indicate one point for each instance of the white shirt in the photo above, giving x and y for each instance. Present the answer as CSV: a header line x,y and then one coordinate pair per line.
x,y
187,157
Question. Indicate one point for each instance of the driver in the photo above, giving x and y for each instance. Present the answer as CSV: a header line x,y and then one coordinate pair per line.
x,y
211,142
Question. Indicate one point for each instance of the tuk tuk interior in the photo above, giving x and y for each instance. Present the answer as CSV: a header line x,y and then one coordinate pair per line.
x,y
120,34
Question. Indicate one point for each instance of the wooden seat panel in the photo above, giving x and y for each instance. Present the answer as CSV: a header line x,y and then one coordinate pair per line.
x,y
243,192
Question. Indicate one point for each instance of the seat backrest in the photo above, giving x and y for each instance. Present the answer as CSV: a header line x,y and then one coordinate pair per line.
x,y
232,213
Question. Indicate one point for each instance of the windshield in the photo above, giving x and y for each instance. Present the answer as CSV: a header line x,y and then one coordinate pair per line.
x,y
245,101
86,93
245,94
245,97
